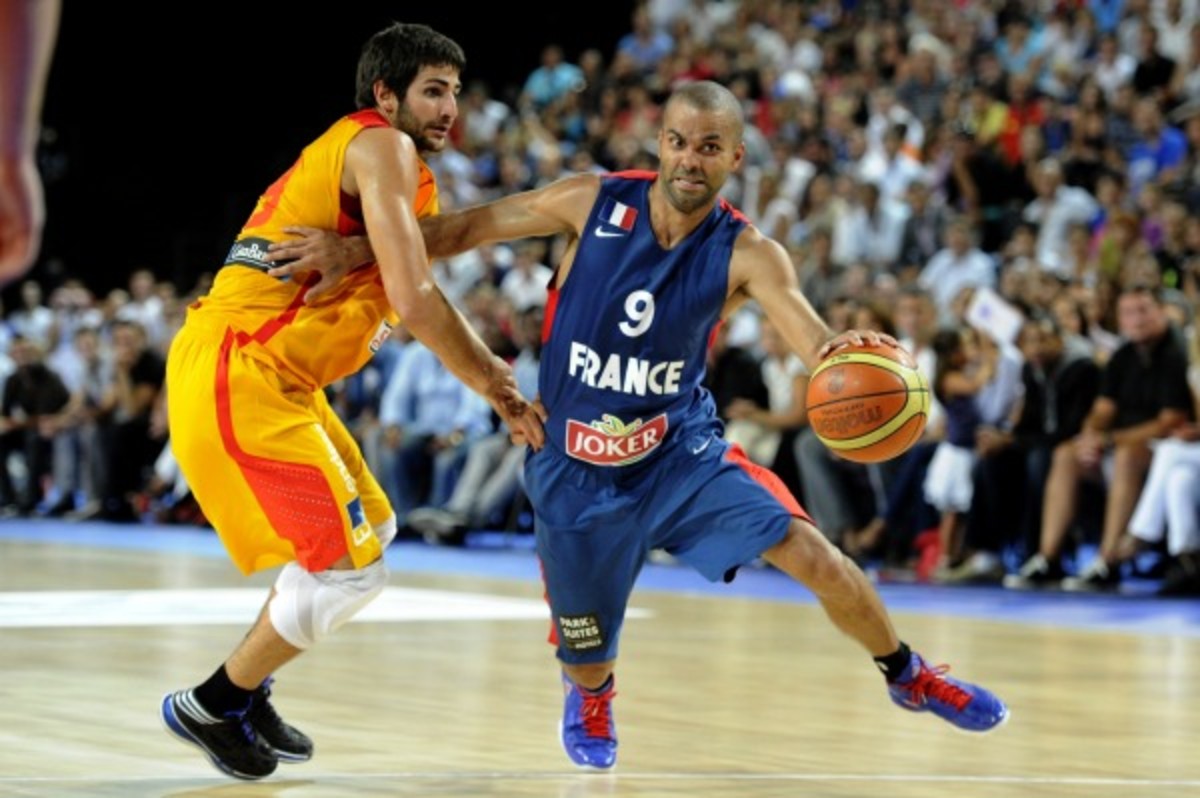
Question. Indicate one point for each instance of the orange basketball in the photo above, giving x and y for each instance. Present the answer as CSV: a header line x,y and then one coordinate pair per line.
x,y
868,403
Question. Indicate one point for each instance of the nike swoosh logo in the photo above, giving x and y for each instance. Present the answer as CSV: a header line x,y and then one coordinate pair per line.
x,y
606,234
702,446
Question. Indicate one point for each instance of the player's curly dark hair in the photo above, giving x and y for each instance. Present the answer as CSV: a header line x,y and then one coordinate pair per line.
x,y
397,53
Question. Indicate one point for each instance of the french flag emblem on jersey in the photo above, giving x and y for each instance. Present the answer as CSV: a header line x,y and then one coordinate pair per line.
x,y
618,214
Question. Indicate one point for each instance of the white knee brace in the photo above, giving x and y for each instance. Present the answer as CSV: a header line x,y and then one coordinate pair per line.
x,y
307,607
386,531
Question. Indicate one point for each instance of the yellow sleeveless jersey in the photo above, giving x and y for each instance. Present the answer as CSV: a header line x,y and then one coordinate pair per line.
x,y
313,345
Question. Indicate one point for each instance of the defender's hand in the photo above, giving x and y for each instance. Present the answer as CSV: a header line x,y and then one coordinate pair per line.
x,y
321,251
536,418
523,420
856,338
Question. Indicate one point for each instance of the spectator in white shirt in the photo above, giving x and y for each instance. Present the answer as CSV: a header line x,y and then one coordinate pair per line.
x,y
526,282
1112,68
33,320
1056,208
870,231
960,264
890,165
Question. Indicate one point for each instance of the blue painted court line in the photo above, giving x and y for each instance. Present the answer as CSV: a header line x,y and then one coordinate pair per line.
x,y
510,557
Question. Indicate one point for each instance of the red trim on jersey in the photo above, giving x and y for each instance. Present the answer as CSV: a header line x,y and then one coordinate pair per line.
x,y
350,215
635,174
726,206
369,118
272,326
295,497
767,478
712,335
548,313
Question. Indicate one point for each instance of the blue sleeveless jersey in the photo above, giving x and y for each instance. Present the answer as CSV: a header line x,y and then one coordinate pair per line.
x,y
626,336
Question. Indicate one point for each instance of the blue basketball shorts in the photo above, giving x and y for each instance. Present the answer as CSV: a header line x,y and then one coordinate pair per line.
x,y
701,500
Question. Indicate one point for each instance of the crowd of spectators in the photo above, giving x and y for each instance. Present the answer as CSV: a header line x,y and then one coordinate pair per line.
x,y
925,162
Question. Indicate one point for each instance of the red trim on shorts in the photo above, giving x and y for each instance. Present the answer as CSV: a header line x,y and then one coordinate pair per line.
x,y
768,479
551,638
295,497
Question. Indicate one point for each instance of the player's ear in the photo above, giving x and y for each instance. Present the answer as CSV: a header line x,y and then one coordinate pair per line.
x,y
738,155
385,98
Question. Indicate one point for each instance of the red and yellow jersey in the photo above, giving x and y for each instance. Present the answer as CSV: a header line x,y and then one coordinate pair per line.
x,y
313,345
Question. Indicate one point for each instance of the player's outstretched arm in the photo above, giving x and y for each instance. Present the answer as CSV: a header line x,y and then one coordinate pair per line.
x,y
761,270
561,207
382,164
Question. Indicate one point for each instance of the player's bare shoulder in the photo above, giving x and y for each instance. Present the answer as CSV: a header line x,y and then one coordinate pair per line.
x,y
380,154
569,199
759,262
382,143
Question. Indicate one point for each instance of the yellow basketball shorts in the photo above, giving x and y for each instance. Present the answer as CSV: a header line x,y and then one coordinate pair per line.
x,y
274,469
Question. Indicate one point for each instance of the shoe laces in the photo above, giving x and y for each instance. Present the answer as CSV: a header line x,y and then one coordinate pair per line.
x,y
261,713
237,729
596,713
929,684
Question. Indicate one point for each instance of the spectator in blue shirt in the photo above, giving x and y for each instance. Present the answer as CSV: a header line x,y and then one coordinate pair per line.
x,y
428,416
645,46
1159,150
551,81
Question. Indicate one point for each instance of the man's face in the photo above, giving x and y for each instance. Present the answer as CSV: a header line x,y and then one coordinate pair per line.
x,y
1045,182
1145,118
913,316
1140,318
1039,344
127,343
430,107
958,239
23,353
697,151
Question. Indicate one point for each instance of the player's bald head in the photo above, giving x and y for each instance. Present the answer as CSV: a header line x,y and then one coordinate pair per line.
x,y
710,98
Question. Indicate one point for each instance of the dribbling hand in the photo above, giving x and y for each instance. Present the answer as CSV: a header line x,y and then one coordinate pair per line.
x,y
856,338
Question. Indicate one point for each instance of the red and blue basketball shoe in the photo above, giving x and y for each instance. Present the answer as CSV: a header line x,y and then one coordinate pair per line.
x,y
588,733
970,707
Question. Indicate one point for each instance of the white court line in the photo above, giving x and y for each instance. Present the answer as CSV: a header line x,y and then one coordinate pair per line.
x,y
240,605
898,778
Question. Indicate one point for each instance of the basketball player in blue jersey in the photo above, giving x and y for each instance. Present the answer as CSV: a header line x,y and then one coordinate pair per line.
x,y
634,459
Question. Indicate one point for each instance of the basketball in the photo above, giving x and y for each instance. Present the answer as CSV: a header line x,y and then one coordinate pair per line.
x,y
868,403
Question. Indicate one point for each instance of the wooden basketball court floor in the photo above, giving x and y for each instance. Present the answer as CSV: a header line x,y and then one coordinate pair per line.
x,y
446,687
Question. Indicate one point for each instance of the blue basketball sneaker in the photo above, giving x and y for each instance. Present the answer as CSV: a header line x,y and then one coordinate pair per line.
x,y
968,706
588,733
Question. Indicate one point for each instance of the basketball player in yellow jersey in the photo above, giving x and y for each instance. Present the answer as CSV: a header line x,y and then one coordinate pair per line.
x,y
274,469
